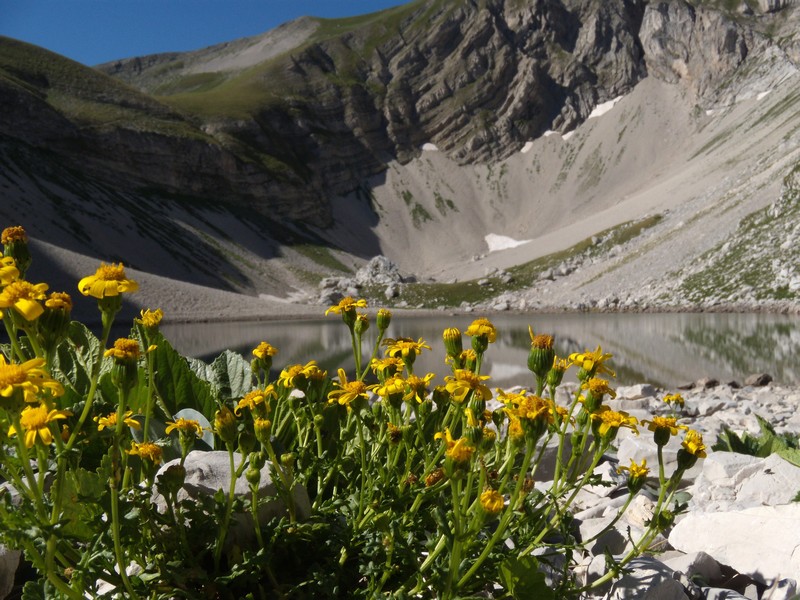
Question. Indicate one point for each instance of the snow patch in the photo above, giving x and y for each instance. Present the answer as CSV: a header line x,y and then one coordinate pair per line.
x,y
428,147
502,242
549,132
568,135
603,108
762,94
527,147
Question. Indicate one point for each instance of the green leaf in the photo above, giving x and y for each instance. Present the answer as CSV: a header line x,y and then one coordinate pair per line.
x,y
229,375
791,455
177,385
523,580
33,590
74,361
82,491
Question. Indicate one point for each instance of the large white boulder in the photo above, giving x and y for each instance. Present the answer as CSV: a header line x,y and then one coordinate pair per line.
x,y
762,542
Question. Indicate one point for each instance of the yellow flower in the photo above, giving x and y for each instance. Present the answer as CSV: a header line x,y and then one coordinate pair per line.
x,y
459,451
35,420
346,304
150,319
110,421
463,382
125,349
264,349
13,234
28,378
635,471
541,341
108,280
533,408
492,501
674,399
482,327
348,391
59,301
185,426
295,375
592,362
608,422
598,387
257,398
147,450
417,387
668,425
8,270
394,386
515,430
386,367
693,444
405,348
24,298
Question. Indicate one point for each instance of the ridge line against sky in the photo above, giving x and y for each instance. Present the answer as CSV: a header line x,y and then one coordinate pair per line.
x,y
97,31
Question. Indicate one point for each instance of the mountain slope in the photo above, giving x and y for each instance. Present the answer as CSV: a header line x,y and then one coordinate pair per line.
x,y
232,166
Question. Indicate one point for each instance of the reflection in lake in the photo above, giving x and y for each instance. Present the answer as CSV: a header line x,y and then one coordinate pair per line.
x,y
663,349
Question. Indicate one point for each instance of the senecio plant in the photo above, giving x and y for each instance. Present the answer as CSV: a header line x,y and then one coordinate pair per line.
x,y
387,482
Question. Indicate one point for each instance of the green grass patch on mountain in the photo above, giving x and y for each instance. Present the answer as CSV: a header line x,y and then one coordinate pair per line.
x,y
523,276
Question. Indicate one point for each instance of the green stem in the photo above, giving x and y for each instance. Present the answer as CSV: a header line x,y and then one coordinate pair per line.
x,y
12,337
87,408
504,520
223,530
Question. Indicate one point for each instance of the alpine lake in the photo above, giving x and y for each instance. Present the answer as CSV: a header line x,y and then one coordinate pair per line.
x,y
663,349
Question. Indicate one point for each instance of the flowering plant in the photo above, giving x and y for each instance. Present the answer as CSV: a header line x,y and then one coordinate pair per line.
x,y
387,482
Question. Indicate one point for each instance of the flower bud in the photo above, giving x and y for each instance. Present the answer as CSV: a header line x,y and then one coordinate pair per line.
x,y
452,341
288,459
55,320
541,355
15,245
361,325
225,425
257,460
253,476
384,318
262,429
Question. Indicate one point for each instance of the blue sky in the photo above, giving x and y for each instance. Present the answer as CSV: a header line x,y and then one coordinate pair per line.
x,y
97,31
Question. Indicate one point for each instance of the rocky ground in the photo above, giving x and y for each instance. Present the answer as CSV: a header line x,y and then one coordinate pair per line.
x,y
738,538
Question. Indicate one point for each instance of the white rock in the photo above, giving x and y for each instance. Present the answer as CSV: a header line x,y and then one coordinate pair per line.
x,y
209,472
696,564
731,481
9,561
635,392
762,542
649,579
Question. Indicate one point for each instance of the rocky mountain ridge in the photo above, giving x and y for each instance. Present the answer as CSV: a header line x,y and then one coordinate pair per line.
x,y
264,164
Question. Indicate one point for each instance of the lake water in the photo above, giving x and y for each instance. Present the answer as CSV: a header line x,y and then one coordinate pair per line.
x,y
663,349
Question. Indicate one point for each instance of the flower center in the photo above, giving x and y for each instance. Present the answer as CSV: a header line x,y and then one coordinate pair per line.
x,y
34,418
19,290
11,375
13,234
111,272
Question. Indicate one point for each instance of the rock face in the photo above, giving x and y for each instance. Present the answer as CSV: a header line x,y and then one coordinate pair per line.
x,y
475,79
288,131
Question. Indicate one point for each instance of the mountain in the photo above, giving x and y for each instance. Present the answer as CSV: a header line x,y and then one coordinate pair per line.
x,y
622,153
